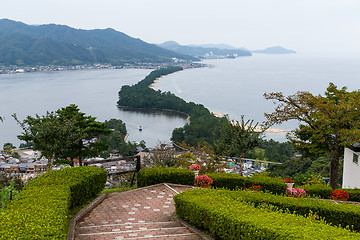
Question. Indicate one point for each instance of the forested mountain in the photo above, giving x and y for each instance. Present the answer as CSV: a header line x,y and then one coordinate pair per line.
x,y
202,51
22,44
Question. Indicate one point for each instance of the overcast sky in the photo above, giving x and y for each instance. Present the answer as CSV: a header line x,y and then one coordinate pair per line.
x,y
301,25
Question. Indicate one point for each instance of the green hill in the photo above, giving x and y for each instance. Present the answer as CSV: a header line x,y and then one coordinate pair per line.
x,y
22,44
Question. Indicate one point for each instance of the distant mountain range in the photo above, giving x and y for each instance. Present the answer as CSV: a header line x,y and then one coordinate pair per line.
x,y
274,50
51,44
206,50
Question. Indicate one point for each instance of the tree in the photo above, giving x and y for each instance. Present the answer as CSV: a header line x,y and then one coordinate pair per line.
x,y
49,134
327,123
88,132
237,138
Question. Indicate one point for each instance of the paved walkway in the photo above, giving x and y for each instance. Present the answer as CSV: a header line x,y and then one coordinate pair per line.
x,y
143,213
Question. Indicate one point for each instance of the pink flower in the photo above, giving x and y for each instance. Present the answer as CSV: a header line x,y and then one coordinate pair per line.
x,y
202,180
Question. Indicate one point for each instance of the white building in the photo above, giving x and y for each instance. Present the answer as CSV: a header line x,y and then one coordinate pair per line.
x,y
351,171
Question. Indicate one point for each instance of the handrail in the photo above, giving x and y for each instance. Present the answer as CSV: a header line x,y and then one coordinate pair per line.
x,y
137,169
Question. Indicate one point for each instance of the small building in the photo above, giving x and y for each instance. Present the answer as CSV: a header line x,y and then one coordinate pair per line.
x,y
351,171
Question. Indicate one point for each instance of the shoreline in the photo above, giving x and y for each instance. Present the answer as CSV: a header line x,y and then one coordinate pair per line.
x,y
186,116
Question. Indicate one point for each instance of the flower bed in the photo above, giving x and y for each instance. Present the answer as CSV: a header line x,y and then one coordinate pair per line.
x,y
41,210
226,218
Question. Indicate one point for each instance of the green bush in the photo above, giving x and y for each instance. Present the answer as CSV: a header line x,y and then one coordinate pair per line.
x,y
84,182
318,190
234,181
227,180
354,194
226,218
273,185
346,215
155,175
41,210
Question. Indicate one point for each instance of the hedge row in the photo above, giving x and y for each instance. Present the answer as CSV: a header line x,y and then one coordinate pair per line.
x,y
234,181
155,175
41,210
344,215
323,191
226,218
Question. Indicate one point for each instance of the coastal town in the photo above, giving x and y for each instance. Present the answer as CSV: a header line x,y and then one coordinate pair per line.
x,y
55,68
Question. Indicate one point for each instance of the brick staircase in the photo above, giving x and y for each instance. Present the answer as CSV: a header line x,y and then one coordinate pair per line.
x,y
143,213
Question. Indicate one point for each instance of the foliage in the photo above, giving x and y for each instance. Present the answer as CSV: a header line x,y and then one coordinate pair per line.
x,y
328,123
62,45
346,215
226,218
155,175
9,147
84,182
41,210
237,138
7,193
318,190
49,134
354,194
308,178
87,131
202,180
339,194
162,156
115,140
202,122
233,182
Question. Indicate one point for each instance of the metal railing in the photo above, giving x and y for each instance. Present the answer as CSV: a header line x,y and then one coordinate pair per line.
x,y
131,158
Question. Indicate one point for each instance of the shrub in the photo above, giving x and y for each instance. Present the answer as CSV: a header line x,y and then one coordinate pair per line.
x,y
273,185
155,175
226,218
227,180
318,190
234,181
41,210
354,194
346,215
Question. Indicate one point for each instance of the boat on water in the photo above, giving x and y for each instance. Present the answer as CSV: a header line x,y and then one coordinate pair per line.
x,y
140,128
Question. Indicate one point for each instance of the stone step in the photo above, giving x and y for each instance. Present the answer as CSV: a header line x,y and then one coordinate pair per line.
x,y
125,227
186,236
144,231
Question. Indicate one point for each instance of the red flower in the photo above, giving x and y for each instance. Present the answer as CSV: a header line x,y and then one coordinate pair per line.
x,y
288,180
202,180
339,194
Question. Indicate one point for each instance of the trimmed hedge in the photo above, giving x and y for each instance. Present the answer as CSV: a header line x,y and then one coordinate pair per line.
x,y
155,175
354,194
226,218
346,215
41,210
318,190
234,181
323,191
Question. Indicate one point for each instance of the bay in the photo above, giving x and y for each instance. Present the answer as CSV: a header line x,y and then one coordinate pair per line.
x,y
236,86
94,91
230,86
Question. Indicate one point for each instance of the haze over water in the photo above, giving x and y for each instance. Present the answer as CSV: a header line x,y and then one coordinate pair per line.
x,y
232,86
